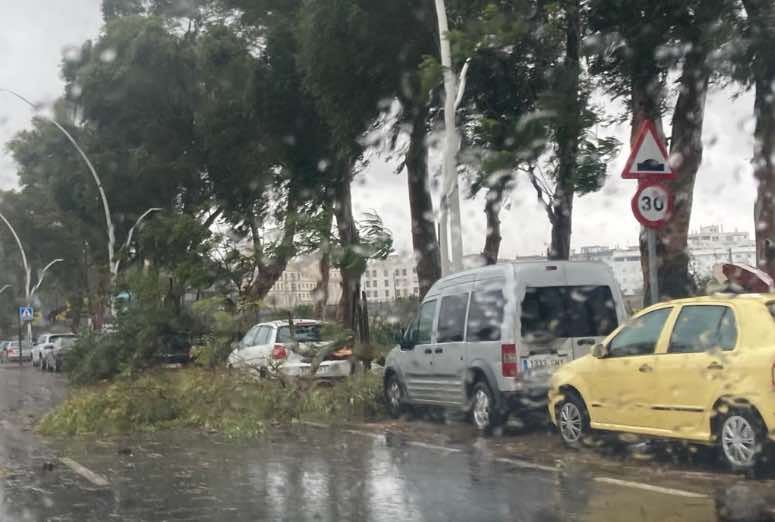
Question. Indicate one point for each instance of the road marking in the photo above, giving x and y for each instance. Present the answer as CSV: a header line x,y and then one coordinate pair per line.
x,y
526,464
649,487
378,436
94,478
432,446
315,424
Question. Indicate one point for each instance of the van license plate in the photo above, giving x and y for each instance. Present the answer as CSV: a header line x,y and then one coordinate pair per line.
x,y
539,364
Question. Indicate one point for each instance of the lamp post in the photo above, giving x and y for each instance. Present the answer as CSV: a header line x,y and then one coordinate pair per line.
x,y
103,196
113,263
28,292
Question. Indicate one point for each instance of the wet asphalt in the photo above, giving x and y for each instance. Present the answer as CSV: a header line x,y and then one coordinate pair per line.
x,y
406,471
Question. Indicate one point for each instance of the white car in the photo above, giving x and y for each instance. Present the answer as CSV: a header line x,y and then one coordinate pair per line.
x,y
45,342
54,352
267,347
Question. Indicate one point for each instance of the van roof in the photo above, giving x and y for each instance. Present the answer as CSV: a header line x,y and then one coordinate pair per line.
x,y
520,266
572,270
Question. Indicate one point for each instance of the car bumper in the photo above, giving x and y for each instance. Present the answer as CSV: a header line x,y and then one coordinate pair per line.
x,y
327,369
529,399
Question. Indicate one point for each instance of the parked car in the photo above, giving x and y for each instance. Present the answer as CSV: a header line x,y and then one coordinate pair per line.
x,y
55,351
269,346
12,352
700,370
486,340
45,341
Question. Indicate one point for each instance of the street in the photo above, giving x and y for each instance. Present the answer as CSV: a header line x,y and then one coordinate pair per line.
x,y
417,470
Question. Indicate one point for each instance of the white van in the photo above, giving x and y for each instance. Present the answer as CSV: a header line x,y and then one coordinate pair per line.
x,y
487,339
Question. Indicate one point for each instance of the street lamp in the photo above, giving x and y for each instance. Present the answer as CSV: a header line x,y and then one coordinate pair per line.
x,y
103,196
113,263
28,292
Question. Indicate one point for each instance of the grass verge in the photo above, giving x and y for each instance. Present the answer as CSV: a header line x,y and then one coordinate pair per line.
x,y
232,403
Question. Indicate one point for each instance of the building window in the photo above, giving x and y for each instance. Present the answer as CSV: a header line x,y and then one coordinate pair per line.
x,y
387,283
403,271
387,293
386,273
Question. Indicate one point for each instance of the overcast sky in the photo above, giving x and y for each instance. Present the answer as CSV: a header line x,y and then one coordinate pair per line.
x,y
37,32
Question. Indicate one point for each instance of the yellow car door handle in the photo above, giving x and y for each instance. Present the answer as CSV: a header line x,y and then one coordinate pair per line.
x,y
645,368
715,366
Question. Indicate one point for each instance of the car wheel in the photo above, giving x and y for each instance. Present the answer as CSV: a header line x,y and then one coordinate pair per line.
x,y
572,420
394,396
741,438
484,413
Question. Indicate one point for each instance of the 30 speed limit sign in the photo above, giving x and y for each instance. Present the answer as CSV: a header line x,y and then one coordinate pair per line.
x,y
652,205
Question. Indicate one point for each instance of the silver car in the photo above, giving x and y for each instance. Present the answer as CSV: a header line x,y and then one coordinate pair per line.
x,y
486,340
55,351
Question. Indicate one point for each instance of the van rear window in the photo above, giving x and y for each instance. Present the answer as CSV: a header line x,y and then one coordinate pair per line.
x,y
569,311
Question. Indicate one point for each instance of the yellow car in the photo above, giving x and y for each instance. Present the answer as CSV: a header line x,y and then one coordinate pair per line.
x,y
700,370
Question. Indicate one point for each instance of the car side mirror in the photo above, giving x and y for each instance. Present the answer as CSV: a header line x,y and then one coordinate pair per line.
x,y
406,343
600,351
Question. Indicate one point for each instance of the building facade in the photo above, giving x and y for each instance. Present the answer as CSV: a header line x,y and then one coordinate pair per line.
x,y
296,286
391,278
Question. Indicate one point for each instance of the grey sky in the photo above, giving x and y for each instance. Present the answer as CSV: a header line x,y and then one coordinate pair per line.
x,y
35,33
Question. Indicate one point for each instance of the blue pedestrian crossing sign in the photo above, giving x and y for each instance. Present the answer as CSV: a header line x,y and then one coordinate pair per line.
x,y
26,313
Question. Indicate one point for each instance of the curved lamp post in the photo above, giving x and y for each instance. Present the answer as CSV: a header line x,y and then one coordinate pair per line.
x,y
113,263
103,196
28,292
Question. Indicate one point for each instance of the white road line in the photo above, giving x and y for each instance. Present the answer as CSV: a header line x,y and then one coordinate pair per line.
x,y
94,478
526,464
315,424
649,487
378,436
432,446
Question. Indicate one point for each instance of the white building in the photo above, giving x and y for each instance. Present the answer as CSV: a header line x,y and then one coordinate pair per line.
x,y
714,237
708,247
391,278
296,286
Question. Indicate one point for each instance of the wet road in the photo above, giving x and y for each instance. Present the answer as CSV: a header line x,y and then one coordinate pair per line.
x,y
413,472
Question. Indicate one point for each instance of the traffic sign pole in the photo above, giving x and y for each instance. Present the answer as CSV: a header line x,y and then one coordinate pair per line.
x,y
651,240
20,340
653,202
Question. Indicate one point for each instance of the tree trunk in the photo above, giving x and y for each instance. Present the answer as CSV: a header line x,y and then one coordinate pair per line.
x,y
266,273
492,239
761,14
320,293
352,264
424,241
562,225
568,137
686,151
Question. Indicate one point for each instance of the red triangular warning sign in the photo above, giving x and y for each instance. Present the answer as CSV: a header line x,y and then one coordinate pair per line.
x,y
648,158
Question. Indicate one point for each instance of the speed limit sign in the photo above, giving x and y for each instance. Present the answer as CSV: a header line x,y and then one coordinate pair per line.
x,y
652,205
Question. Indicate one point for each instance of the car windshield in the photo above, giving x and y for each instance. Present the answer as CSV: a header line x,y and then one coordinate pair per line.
x,y
376,260
64,342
